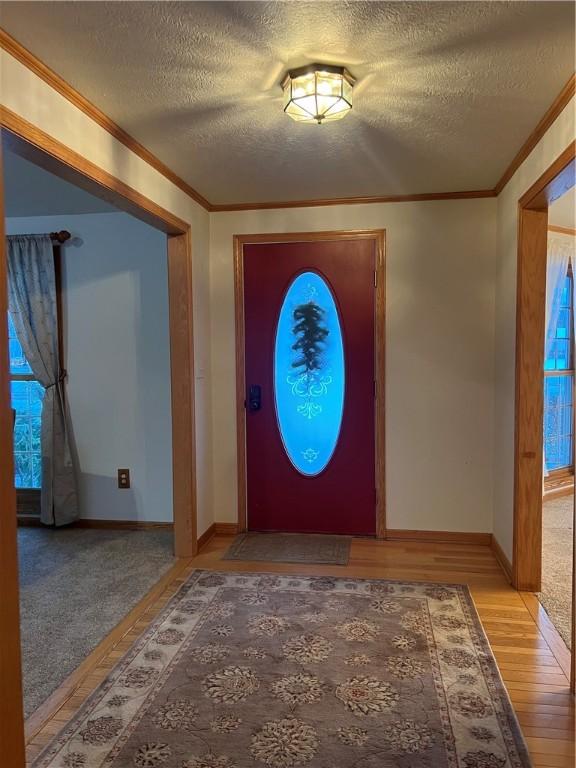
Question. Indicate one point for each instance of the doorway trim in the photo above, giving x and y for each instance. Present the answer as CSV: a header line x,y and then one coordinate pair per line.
x,y
379,238
28,141
529,398
11,710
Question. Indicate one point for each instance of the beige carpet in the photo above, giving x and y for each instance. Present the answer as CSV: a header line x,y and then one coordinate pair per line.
x,y
76,584
280,671
557,539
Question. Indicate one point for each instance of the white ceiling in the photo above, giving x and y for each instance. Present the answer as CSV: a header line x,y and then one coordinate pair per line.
x,y
32,191
447,91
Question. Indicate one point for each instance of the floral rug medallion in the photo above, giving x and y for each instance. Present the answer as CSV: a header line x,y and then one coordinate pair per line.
x,y
267,671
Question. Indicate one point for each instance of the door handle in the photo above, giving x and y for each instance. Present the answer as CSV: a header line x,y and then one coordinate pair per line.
x,y
255,397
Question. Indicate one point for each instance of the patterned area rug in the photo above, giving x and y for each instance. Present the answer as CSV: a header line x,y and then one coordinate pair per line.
x,y
290,548
557,538
267,671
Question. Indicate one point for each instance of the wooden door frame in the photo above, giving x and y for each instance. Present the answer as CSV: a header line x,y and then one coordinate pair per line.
x,y
379,238
11,710
529,396
30,142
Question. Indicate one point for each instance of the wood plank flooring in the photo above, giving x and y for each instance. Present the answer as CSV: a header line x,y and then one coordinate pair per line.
x,y
532,661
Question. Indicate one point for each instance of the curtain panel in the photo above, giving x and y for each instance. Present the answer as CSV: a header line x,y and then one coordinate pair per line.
x,y
32,306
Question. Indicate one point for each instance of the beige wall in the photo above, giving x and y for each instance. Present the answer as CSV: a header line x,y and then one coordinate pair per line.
x,y
450,334
562,212
115,304
552,144
439,356
31,98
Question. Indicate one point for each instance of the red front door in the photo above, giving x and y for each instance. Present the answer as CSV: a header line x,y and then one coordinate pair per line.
x,y
310,409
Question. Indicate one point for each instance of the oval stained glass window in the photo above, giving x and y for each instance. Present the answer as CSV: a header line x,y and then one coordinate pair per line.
x,y
309,373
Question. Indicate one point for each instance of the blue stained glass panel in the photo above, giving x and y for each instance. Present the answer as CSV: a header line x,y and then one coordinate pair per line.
x,y
559,349
558,421
27,396
309,373
27,399
18,363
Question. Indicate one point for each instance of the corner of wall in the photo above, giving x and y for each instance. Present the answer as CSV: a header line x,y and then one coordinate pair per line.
x,y
558,136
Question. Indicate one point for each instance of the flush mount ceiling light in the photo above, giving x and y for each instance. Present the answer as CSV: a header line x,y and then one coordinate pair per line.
x,y
318,93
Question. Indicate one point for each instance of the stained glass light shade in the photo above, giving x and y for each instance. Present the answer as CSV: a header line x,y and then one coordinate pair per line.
x,y
318,93
27,396
309,373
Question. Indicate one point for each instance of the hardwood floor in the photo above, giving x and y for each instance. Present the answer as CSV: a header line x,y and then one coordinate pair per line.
x,y
532,661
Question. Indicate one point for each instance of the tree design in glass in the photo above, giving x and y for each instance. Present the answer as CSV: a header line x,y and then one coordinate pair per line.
x,y
309,373
310,344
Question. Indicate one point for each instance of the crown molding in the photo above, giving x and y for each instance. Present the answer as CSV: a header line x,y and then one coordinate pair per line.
x,y
35,65
24,56
69,164
549,117
466,195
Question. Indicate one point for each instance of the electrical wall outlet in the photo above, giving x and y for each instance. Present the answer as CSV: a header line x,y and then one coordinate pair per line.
x,y
123,478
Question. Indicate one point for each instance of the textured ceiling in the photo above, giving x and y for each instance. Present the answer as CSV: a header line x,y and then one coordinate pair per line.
x,y
32,191
447,92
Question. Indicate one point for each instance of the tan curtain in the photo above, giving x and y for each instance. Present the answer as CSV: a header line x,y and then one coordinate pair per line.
x,y
32,306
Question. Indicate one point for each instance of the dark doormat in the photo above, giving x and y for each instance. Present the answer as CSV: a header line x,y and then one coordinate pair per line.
x,y
290,548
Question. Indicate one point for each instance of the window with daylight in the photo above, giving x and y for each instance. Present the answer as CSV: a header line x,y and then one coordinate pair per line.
x,y
558,388
27,396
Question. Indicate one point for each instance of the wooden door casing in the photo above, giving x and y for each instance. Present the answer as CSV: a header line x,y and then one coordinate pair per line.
x,y
378,236
11,710
282,496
